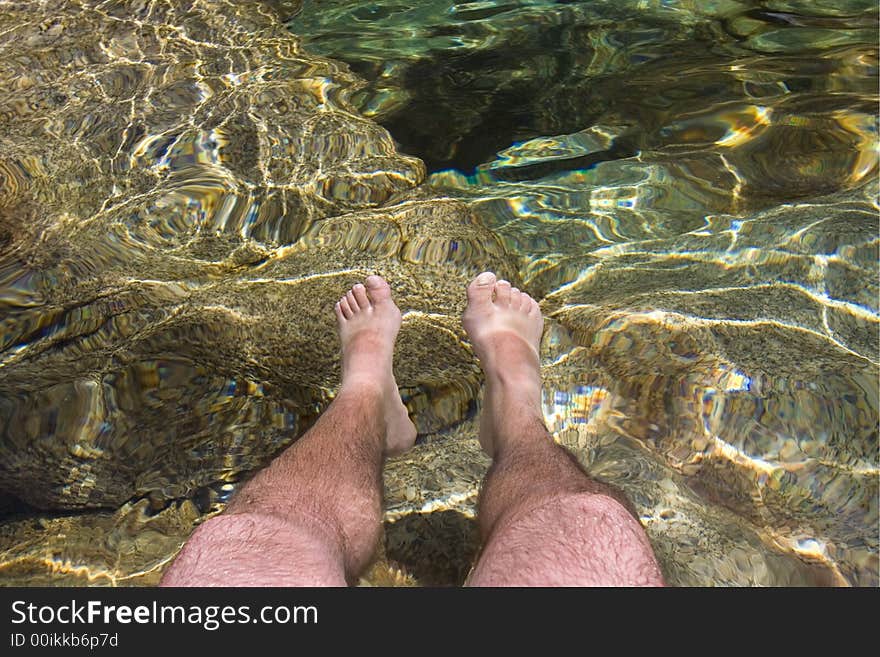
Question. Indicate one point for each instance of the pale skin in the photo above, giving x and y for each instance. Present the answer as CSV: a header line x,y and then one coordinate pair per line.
x,y
313,517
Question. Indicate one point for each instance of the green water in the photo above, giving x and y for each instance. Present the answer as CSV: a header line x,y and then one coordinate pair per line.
x,y
692,186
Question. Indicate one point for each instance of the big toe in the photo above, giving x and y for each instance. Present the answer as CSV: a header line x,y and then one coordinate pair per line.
x,y
378,289
479,292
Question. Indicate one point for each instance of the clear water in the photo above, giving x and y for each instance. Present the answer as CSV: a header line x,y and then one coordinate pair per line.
x,y
689,188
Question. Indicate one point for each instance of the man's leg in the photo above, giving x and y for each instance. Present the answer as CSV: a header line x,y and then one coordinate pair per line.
x,y
313,517
544,521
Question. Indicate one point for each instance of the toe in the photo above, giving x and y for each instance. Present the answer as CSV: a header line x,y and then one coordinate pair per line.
x,y
502,293
338,310
352,302
534,308
345,308
377,289
515,298
479,292
360,295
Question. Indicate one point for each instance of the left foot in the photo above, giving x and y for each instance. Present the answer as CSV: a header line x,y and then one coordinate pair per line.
x,y
368,324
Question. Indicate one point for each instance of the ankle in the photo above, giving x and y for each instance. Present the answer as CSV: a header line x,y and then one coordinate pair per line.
x,y
511,349
362,387
512,364
521,385
514,395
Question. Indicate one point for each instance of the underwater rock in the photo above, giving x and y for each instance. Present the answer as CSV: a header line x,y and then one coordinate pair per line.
x,y
129,547
199,198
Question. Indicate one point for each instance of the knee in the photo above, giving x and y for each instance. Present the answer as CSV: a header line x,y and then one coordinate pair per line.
x,y
613,495
512,488
571,539
255,550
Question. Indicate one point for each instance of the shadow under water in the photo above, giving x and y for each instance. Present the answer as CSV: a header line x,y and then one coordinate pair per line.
x,y
689,189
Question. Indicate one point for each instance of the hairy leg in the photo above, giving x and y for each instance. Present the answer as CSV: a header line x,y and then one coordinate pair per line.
x,y
313,516
544,521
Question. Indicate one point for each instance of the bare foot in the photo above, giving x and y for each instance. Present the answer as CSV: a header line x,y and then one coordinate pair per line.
x,y
504,326
368,325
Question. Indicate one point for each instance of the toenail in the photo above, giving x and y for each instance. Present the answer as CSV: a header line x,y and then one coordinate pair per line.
x,y
485,278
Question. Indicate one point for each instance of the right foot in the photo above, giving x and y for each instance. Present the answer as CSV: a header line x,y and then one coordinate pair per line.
x,y
505,327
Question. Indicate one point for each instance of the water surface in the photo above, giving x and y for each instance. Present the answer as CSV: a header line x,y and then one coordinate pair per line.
x,y
689,189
